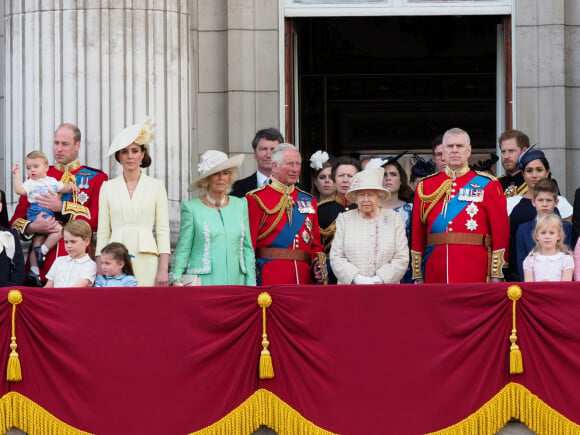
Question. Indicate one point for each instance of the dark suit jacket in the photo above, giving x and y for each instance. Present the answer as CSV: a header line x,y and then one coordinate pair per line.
x,y
4,212
576,214
243,186
12,272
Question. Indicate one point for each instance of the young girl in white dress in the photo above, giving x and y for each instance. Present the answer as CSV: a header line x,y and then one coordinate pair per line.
x,y
76,269
550,260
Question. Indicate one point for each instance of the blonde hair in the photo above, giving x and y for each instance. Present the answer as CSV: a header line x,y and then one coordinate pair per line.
x,y
203,184
79,228
551,220
37,155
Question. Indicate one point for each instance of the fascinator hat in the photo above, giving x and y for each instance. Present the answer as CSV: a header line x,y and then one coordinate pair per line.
x,y
377,162
369,179
318,159
421,167
212,162
141,134
528,155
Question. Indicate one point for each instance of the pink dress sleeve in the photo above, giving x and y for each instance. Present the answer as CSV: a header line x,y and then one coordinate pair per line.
x,y
529,262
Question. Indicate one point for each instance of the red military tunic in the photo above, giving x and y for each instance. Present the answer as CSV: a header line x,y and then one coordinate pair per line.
x,y
299,240
451,217
89,181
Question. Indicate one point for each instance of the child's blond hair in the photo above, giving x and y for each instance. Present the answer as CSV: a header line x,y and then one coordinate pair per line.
x,y
79,228
551,220
37,155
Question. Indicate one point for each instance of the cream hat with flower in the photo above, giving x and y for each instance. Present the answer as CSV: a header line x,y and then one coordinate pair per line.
x,y
369,179
212,162
141,134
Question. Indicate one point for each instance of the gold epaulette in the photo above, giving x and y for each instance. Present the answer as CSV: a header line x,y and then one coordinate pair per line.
x,y
486,174
256,190
431,175
303,191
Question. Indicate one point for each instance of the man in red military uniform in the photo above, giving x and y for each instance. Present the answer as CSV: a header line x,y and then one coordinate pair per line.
x,y
460,225
284,225
67,168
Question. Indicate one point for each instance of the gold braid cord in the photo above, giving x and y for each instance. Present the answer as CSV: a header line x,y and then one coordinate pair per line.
x,y
13,369
285,204
266,366
514,293
433,198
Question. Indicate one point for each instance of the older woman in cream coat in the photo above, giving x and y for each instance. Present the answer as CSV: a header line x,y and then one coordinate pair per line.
x,y
370,245
132,204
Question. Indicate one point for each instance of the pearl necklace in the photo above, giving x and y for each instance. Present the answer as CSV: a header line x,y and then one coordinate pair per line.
x,y
215,203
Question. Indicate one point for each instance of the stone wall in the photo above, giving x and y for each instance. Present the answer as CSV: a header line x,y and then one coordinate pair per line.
x,y
547,72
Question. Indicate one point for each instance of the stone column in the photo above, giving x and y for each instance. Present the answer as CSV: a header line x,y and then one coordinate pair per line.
x,y
238,88
102,65
541,83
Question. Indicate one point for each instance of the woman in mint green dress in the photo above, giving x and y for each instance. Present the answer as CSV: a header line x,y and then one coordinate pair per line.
x,y
215,245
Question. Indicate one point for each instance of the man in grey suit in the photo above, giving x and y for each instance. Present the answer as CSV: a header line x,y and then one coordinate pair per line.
x,y
264,143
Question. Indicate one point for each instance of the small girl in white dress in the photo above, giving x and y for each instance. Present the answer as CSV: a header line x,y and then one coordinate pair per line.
x,y
550,260
76,269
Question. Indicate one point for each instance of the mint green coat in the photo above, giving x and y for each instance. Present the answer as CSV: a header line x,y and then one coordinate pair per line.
x,y
217,248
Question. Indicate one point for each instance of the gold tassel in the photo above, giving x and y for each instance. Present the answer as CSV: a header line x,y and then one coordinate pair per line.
x,y
266,366
13,371
514,292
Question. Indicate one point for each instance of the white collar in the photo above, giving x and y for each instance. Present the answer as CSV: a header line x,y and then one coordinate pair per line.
x,y
81,260
541,257
261,178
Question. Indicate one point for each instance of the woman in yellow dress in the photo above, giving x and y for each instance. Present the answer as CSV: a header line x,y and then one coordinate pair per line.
x,y
133,204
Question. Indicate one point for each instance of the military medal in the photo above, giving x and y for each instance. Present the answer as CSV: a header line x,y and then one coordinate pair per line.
x,y
305,207
471,225
471,209
308,224
306,237
82,197
472,195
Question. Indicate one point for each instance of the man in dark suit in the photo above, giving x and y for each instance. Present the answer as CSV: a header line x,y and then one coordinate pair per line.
x,y
576,214
264,143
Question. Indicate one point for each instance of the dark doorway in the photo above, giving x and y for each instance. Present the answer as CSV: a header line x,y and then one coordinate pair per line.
x,y
384,84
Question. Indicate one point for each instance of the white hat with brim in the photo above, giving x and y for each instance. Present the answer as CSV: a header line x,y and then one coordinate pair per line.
x,y
141,134
369,179
212,162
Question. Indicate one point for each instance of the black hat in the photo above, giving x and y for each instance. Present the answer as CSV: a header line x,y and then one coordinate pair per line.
x,y
485,165
422,167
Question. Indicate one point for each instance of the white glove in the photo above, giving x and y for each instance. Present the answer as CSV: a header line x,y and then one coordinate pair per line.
x,y
360,279
377,280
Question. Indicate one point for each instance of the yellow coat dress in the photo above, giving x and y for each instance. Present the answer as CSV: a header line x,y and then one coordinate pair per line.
x,y
131,221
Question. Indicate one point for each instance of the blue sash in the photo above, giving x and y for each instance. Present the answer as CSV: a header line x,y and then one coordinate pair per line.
x,y
454,207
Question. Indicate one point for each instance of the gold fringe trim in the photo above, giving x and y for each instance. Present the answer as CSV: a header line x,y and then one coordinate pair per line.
x,y
18,411
263,408
513,401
